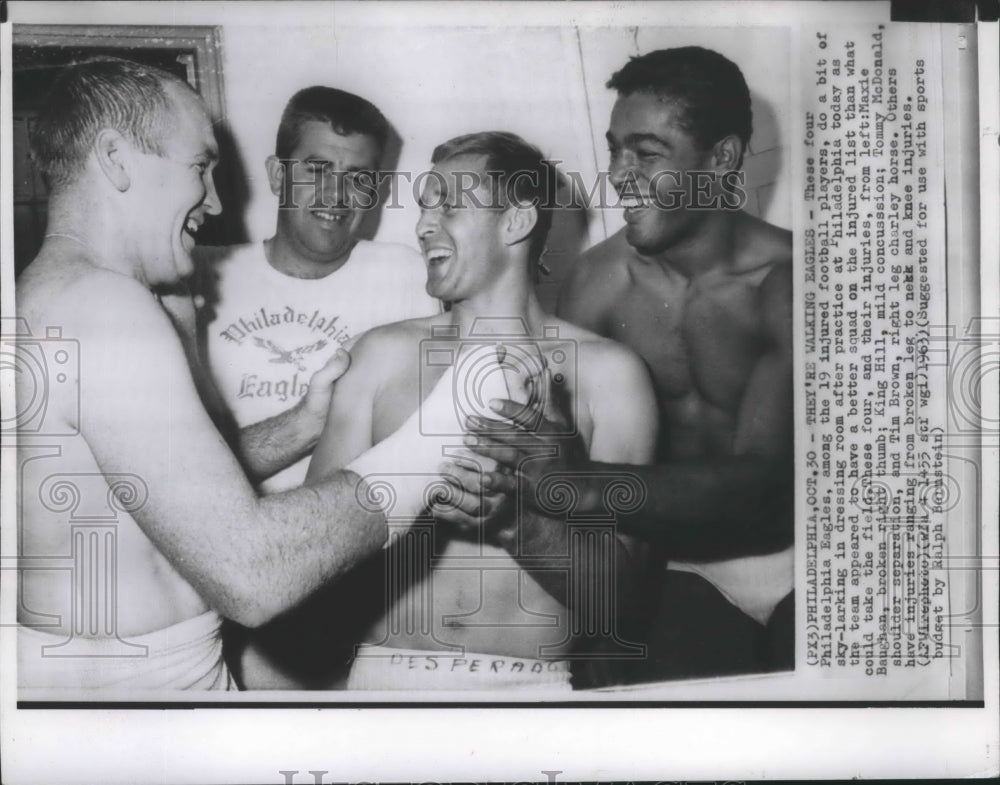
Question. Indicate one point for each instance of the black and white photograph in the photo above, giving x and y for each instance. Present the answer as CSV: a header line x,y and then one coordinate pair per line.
x,y
593,375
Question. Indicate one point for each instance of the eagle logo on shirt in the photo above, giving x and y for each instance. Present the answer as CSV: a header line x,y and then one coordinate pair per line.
x,y
290,356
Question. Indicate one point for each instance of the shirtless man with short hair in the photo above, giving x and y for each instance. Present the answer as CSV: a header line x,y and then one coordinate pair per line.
x,y
128,447
480,620
704,296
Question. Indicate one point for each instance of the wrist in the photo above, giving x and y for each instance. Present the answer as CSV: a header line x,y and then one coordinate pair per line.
x,y
538,534
589,493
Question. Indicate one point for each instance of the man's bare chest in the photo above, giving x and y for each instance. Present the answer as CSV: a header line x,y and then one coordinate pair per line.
x,y
700,339
399,395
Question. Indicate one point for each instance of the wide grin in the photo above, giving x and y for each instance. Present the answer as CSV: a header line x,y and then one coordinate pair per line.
x,y
631,202
436,256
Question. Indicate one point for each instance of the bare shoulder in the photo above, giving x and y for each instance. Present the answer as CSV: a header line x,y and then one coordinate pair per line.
x,y
82,298
762,243
601,362
384,347
606,261
595,282
769,249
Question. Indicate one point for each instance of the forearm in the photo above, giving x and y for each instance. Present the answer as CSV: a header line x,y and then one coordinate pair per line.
x,y
267,447
580,561
712,509
290,544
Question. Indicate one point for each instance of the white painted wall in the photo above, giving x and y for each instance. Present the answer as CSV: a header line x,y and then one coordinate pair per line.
x,y
544,83
441,69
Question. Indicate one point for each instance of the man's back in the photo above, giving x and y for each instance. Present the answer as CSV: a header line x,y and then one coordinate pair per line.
x,y
62,292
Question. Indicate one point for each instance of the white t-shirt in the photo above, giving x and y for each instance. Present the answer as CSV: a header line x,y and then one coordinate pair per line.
x,y
269,332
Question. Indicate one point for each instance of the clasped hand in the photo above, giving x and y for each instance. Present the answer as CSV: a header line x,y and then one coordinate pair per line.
x,y
514,453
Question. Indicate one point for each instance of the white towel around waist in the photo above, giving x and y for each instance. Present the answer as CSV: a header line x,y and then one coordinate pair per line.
x,y
184,656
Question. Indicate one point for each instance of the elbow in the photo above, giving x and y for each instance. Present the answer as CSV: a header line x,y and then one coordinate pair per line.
x,y
253,617
247,603
250,612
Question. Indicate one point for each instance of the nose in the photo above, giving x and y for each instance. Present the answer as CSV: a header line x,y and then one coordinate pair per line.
x,y
333,187
212,203
620,168
426,224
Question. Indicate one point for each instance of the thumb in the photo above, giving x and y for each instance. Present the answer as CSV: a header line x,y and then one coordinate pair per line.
x,y
334,368
543,396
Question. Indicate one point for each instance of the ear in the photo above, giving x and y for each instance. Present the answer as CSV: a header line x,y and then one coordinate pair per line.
x,y
113,154
518,223
275,174
727,154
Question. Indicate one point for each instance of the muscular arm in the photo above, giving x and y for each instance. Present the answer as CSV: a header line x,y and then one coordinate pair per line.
x,y
734,506
250,558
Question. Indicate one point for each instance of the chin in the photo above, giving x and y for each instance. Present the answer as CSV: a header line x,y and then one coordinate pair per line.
x,y
651,242
642,242
436,292
181,266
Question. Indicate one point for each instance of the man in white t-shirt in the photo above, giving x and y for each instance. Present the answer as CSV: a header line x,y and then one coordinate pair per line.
x,y
276,311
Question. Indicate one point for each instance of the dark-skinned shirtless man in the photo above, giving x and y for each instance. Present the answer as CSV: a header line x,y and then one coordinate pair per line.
x,y
704,295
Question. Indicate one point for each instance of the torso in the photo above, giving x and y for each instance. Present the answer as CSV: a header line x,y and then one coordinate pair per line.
x,y
700,338
63,492
477,595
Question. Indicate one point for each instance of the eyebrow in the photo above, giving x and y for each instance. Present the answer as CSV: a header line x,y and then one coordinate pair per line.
x,y
634,139
325,161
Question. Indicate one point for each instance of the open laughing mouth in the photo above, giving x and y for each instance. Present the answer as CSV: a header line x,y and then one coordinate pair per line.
x,y
633,204
191,227
437,256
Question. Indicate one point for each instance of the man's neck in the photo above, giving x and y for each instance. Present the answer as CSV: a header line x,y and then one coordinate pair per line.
x,y
508,306
290,261
99,236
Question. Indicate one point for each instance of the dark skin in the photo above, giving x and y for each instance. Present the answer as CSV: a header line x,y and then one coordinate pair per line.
x,y
705,299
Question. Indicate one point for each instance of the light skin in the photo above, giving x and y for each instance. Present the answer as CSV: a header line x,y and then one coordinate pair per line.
x,y
203,539
264,448
705,299
323,197
314,238
477,259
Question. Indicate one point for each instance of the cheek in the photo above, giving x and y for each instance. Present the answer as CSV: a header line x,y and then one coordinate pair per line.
x,y
300,197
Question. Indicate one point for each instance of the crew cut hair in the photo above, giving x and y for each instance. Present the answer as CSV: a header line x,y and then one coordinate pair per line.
x,y
94,95
708,88
345,112
521,175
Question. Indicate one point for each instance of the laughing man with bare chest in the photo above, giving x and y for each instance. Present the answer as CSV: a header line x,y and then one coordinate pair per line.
x,y
702,291
469,616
